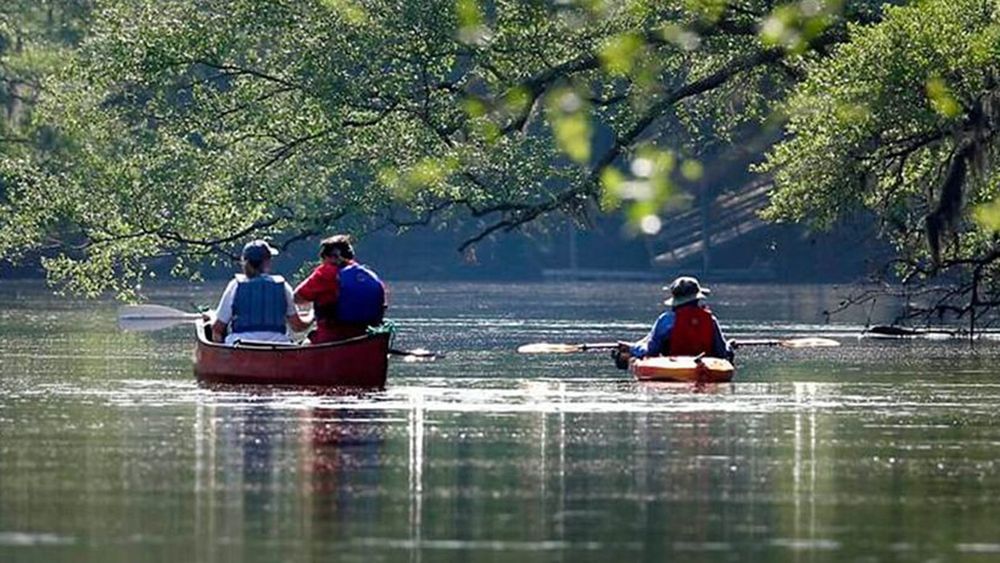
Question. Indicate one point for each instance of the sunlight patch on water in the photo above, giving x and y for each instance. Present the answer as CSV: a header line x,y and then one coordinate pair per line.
x,y
29,539
795,544
978,547
514,395
449,545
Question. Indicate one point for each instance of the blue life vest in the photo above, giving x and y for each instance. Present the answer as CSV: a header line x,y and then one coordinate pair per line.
x,y
362,296
259,304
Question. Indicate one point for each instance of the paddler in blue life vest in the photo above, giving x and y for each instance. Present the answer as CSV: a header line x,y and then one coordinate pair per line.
x,y
347,297
687,328
257,306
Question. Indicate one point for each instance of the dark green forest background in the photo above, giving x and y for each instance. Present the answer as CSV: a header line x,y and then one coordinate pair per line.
x,y
775,141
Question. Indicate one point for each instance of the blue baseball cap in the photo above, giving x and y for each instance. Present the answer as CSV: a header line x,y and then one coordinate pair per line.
x,y
257,251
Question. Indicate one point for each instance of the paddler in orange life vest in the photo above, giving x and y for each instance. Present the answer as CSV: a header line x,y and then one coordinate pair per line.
x,y
347,297
256,306
687,328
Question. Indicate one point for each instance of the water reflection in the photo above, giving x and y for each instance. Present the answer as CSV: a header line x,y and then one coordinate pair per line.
x,y
416,479
268,473
110,451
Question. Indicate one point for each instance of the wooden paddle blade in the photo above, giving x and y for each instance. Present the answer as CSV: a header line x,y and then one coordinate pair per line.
x,y
140,324
150,311
811,342
547,348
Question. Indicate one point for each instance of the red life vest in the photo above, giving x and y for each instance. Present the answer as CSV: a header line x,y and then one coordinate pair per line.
x,y
692,333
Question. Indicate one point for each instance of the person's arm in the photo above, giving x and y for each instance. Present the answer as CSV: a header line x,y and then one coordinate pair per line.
x,y
224,313
720,346
303,292
654,342
322,284
297,322
218,332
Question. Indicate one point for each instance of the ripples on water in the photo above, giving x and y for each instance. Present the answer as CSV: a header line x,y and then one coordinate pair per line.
x,y
875,450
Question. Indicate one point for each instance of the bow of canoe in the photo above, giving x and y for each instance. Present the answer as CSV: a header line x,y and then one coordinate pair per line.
x,y
682,368
356,362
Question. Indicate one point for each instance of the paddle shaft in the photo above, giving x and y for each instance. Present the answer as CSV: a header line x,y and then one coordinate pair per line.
x,y
807,342
598,346
550,348
181,318
755,342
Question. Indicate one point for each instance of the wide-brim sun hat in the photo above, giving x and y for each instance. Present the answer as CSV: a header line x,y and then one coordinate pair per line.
x,y
683,290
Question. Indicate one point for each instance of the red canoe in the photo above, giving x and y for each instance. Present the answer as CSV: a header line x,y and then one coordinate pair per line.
x,y
356,362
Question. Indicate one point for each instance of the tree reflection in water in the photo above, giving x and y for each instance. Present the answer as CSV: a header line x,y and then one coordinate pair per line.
x,y
268,471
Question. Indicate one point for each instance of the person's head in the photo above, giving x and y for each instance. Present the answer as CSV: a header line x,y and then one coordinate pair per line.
x,y
684,290
336,249
257,256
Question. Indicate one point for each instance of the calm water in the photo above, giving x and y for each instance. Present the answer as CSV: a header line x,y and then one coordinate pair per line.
x,y
872,451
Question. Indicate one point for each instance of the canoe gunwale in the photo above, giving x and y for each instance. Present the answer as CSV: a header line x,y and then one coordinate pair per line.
x,y
275,346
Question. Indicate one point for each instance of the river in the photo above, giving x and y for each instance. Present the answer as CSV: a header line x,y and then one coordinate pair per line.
x,y
109,450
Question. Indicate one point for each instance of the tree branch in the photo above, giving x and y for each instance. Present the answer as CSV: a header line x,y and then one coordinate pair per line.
x,y
584,190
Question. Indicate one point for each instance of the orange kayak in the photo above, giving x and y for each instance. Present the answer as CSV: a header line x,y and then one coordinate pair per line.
x,y
682,368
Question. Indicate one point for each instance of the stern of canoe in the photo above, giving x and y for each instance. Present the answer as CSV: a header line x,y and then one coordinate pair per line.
x,y
682,368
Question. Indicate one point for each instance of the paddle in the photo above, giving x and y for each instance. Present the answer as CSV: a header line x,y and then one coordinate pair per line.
x,y
547,348
808,342
152,317
142,318
895,331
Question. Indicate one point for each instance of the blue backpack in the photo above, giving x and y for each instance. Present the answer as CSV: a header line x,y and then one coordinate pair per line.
x,y
362,296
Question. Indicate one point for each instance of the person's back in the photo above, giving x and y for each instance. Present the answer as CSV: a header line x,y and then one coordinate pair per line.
x,y
361,299
688,328
259,305
256,306
347,297
693,331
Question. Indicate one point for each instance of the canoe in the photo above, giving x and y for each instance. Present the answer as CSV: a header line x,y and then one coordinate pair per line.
x,y
682,368
356,362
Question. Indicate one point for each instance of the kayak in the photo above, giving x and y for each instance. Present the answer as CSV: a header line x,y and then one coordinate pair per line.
x,y
361,361
682,368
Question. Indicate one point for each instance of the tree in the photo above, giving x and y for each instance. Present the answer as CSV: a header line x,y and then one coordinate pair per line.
x,y
35,35
185,127
902,121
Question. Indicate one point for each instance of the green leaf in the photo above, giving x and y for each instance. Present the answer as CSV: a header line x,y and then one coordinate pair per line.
x,y
941,97
619,54
570,124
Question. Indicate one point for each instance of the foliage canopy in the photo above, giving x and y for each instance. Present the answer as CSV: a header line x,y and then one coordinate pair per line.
x,y
174,128
902,120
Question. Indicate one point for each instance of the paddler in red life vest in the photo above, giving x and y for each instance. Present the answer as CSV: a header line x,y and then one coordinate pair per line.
x,y
257,305
347,297
687,328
